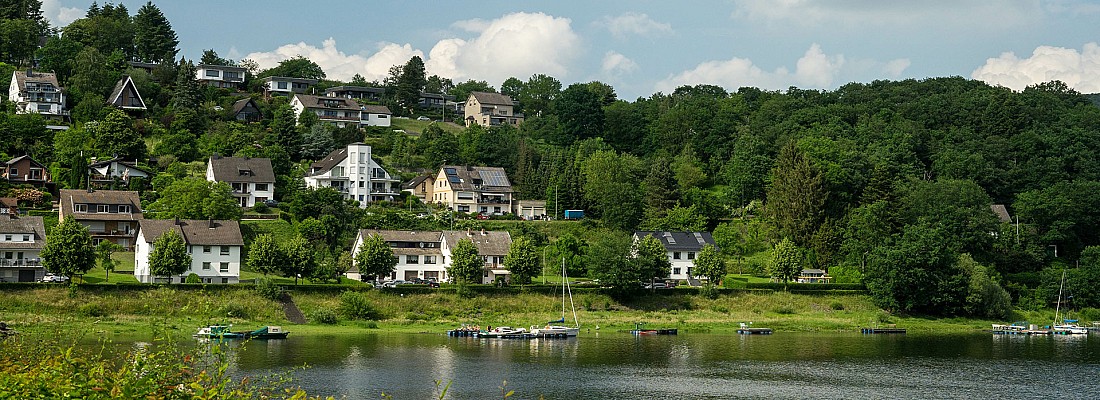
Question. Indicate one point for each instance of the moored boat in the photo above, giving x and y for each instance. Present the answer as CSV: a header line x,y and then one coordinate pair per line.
x,y
506,332
223,332
639,331
747,329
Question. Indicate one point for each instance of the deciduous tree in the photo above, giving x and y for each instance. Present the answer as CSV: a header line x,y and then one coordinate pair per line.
x,y
300,261
68,250
522,260
466,264
169,256
375,257
709,264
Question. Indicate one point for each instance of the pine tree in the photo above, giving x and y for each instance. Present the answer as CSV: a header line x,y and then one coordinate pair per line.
x,y
188,92
411,83
154,39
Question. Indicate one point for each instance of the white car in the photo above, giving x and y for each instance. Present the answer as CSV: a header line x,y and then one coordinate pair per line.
x,y
423,118
54,278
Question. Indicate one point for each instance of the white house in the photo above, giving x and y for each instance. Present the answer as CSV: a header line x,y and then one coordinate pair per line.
x,y
215,247
37,92
492,246
252,179
222,76
376,116
21,241
105,172
419,254
111,215
286,86
352,172
682,248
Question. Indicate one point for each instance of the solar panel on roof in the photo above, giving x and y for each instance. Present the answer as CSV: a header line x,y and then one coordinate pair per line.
x,y
450,171
454,179
494,178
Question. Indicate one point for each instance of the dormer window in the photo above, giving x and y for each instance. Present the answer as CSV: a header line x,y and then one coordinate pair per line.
x,y
244,172
80,208
124,209
102,208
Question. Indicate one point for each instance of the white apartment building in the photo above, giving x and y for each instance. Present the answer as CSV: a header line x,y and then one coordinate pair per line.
x,y
215,247
419,254
352,172
251,179
37,92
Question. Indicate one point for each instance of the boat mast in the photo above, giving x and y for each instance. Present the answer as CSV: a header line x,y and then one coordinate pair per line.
x,y
564,287
1058,305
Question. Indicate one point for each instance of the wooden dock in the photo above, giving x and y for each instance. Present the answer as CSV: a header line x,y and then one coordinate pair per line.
x,y
879,331
754,331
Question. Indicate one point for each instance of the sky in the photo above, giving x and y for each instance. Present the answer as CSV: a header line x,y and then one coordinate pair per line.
x,y
642,47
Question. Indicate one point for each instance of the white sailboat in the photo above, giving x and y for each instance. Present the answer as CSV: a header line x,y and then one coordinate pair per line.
x,y
1068,326
551,330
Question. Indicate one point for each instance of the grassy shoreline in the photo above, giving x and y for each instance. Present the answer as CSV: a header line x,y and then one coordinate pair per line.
x,y
176,311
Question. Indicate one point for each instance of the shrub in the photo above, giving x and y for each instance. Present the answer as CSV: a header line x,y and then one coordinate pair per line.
x,y
260,207
193,278
234,310
91,310
324,316
837,306
268,289
355,305
784,310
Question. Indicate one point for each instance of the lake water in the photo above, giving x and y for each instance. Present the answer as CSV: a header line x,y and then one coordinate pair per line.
x,y
611,365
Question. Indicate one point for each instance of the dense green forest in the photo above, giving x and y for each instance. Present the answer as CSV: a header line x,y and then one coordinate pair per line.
x,y
887,183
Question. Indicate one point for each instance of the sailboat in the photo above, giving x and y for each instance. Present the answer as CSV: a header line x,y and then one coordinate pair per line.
x,y
552,330
1068,326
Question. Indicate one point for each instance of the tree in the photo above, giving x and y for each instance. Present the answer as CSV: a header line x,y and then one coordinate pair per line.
x,y
154,39
609,185
607,258
196,198
787,261
984,296
537,96
188,92
265,256
796,198
68,250
211,57
116,137
300,261
709,264
917,272
103,257
318,141
297,67
580,113
651,258
169,256
522,260
462,90
59,56
411,83
466,264
375,257
94,72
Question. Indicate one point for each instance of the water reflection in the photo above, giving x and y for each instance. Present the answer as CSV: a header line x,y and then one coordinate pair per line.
x,y
612,365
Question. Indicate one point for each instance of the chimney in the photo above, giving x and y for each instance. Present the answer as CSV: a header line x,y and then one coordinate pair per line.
x,y
468,232
211,221
483,232
177,220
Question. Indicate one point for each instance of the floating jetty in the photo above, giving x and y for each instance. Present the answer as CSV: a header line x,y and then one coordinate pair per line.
x,y
639,331
881,331
1017,329
747,329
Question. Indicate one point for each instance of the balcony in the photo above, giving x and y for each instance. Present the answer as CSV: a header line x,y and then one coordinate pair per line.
x,y
26,262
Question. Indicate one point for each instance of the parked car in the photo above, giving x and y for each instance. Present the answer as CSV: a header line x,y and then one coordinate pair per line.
x,y
423,118
54,278
271,203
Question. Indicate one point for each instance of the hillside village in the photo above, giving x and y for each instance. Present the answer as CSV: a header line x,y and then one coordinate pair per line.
x,y
946,195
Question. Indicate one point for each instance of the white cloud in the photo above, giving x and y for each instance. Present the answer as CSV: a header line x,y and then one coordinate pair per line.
x,y
632,23
617,64
59,15
1079,70
514,45
337,64
862,13
814,69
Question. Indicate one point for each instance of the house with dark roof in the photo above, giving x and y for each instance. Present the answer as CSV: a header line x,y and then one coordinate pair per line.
x,y
21,242
286,86
24,169
251,179
222,76
419,254
492,246
435,100
373,115
215,247
37,92
126,96
246,110
467,189
682,248
9,206
356,92
421,187
352,172
111,215
491,109
104,173
334,110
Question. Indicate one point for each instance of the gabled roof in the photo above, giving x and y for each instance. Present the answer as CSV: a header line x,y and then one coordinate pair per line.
x,y
339,103
1002,212
680,241
22,77
120,87
404,236
242,169
23,225
350,88
240,105
492,98
195,232
489,243
373,109
128,164
484,179
20,158
117,197
331,160
415,181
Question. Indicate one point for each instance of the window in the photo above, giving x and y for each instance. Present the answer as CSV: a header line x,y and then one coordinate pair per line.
x,y
690,271
281,85
464,209
225,280
225,250
429,259
43,108
412,259
676,255
676,271
80,208
360,198
232,75
124,209
7,238
361,183
691,255
206,265
26,238
206,249
261,187
13,171
102,208
224,267
213,73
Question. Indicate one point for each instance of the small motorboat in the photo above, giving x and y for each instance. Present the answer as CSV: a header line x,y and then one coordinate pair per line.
x,y
506,332
747,329
223,332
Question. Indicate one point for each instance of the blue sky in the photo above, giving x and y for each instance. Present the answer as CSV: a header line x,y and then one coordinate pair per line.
x,y
642,47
